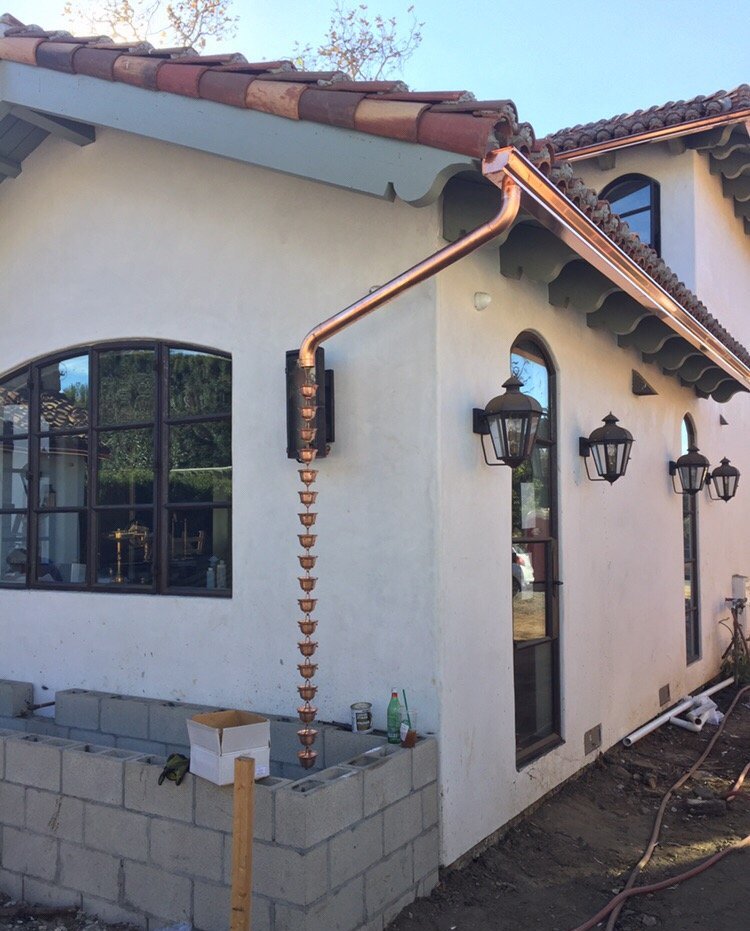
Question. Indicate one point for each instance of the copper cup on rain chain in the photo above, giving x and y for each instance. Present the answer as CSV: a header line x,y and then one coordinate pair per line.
x,y
307,670
308,391
307,713
307,757
307,736
307,647
307,562
307,520
307,626
307,692
306,583
307,455
307,497
308,413
308,434
307,476
306,605
307,540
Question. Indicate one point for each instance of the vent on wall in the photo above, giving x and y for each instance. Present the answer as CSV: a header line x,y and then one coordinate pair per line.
x,y
592,739
664,695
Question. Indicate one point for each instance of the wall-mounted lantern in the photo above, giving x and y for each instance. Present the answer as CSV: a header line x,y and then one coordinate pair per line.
x,y
692,470
724,480
609,446
511,420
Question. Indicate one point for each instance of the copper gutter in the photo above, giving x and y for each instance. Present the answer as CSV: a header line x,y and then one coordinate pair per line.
x,y
559,215
420,272
655,135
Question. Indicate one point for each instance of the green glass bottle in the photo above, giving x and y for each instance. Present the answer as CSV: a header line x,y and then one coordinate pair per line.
x,y
393,719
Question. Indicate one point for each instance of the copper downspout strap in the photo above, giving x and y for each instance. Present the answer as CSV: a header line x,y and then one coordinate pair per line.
x,y
420,272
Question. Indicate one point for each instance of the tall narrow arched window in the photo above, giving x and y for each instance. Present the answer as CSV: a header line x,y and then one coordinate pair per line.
x,y
116,471
690,553
534,566
635,199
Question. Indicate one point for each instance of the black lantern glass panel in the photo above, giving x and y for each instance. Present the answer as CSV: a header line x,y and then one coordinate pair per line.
x,y
691,469
512,419
724,480
610,448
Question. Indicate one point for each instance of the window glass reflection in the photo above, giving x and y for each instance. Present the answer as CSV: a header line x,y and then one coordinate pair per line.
x,y
529,569
64,394
534,678
199,383
14,405
63,471
126,467
62,548
13,553
200,462
14,472
125,547
531,370
127,386
531,495
199,548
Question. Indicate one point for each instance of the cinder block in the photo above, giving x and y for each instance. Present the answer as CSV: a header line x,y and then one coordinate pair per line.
x,y
37,892
113,914
33,761
95,774
427,884
387,776
57,815
89,871
283,873
124,716
374,924
214,806
15,697
13,724
341,745
426,854
143,792
340,911
183,848
424,761
391,911
166,721
78,708
402,822
388,880
11,804
157,892
95,738
116,831
430,810
142,747
11,884
31,854
356,849
318,807
37,724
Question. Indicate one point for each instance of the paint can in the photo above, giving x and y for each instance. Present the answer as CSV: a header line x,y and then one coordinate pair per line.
x,y
362,717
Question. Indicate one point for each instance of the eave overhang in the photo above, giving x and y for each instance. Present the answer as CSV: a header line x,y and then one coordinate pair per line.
x,y
374,165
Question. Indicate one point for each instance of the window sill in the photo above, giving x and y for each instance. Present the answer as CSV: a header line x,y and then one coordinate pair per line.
x,y
540,748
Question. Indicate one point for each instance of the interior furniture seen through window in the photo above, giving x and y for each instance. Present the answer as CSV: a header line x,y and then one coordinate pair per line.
x,y
690,549
116,471
536,660
635,198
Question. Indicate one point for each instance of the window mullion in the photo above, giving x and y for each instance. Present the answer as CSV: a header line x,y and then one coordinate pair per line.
x,y
33,502
93,470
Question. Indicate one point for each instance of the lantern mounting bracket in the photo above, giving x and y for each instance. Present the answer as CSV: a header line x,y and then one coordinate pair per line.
x,y
479,426
584,451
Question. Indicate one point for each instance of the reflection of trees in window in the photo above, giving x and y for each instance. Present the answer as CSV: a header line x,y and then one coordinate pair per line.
x,y
635,199
158,419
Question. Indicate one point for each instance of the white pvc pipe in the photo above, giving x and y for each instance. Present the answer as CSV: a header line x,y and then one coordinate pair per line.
x,y
673,712
688,725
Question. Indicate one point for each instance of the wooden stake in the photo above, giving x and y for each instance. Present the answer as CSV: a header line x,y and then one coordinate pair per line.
x,y
242,844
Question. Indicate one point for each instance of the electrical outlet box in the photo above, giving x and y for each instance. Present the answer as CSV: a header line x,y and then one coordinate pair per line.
x,y
592,739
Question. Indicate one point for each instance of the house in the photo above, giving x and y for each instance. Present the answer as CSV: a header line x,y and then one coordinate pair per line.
x,y
172,225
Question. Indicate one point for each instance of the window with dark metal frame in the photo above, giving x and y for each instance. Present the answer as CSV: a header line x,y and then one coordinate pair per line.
x,y
536,661
116,471
690,554
635,199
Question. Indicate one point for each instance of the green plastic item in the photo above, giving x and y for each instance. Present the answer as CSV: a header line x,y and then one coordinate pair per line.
x,y
393,719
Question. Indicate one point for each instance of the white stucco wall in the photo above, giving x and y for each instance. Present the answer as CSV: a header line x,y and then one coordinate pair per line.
x,y
621,605
131,238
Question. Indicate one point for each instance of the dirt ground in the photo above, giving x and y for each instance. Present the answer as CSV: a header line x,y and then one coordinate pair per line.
x,y
564,862
560,865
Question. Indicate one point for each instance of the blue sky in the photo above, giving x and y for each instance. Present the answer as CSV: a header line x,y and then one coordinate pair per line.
x,y
562,63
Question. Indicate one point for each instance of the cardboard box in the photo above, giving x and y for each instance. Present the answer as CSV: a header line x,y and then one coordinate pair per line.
x,y
219,737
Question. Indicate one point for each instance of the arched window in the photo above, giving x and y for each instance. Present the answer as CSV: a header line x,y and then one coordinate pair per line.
x,y
116,471
534,565
635,198
690,551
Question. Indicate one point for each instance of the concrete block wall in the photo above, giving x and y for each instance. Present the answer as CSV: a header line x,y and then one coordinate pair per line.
x,y
345,847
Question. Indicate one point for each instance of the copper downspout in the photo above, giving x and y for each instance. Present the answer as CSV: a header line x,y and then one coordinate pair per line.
x,y
308,412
